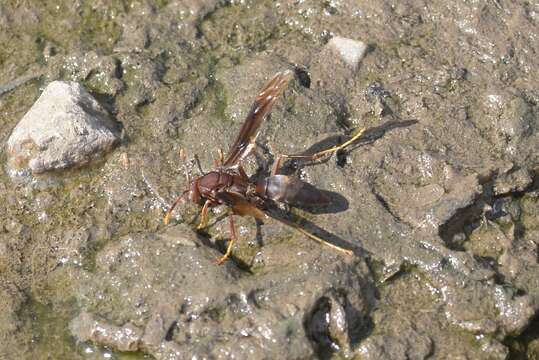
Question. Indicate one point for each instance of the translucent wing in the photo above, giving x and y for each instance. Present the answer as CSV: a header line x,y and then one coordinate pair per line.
x,y
241,206
291,190
244,143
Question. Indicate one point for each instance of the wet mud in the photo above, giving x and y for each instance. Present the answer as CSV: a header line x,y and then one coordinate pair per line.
x,y
439,198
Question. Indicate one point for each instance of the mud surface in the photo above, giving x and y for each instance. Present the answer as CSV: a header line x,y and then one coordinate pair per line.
x,y
439,199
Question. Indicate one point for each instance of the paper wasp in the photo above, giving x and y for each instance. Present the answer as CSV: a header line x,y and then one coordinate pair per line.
x,y
229,185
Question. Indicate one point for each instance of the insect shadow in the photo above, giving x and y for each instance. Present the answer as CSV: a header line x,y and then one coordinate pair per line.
x,y
338,202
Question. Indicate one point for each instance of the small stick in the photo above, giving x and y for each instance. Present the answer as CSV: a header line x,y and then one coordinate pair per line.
x,y
11,85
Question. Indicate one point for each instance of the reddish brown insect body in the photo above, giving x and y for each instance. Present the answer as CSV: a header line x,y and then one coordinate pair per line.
x,y
207,186
279,188
229,184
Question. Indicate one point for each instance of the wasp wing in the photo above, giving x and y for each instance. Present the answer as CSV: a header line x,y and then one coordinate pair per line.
x,y
241,206
291,190
244,143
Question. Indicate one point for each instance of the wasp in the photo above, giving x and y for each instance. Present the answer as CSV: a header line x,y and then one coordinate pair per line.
x,y
228,184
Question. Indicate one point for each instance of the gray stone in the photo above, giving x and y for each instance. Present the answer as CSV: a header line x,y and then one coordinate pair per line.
x,y
65,127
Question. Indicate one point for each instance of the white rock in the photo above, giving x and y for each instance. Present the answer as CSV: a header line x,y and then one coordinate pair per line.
x,y
65,127
350,51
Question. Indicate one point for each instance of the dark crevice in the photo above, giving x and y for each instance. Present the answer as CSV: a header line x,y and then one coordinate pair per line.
x,y
303,76
486,207
317,329
318,324
519,345
384,203
455,230
343,115
341,158
171,331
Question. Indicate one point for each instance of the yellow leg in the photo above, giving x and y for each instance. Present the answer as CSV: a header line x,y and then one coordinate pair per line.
x,y
183,158
316,156
223,258
203,215
182,154
323,242
221,156
166,219
221,159
339,147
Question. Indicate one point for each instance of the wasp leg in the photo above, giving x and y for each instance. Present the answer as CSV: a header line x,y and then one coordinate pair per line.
x,y
180,198
203,215
223,258
242,172
221,158
182,154
277,164
319,154
199,167
319,240
183,158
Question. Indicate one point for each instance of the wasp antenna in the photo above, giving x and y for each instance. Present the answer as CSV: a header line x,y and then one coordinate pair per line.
x,y
180,198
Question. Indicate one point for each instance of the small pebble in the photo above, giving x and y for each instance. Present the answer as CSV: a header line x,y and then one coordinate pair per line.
x,y
350,51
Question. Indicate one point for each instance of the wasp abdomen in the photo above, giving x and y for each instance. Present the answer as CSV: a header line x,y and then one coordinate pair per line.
x,y
291,191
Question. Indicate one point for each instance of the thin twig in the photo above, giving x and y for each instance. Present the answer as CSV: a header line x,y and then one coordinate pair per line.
x,y
18,82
